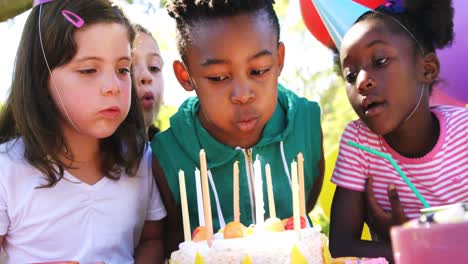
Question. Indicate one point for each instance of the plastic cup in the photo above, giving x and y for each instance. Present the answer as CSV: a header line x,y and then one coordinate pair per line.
x,y
435,243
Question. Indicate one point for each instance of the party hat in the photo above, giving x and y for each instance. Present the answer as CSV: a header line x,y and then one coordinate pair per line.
x,y
339,16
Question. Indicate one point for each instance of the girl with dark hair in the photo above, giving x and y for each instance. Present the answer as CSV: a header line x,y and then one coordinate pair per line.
x,y
75,180
389,62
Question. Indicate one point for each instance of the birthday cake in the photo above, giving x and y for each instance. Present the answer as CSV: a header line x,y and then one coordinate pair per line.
x,y
271,241
266,247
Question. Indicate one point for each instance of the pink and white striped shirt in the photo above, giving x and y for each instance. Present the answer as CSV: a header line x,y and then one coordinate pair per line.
x,y
441,176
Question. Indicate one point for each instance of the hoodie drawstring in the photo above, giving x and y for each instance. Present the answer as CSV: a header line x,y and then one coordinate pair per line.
x,y
286,169
285,164
222,223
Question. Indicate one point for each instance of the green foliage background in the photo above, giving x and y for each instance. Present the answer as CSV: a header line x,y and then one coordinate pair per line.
x,y
325,86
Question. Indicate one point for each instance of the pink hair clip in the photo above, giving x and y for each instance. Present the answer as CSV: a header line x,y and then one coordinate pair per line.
x,y
40,2
73,18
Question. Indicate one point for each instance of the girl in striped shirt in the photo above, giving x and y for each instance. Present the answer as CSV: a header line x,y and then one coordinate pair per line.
x,y
389,63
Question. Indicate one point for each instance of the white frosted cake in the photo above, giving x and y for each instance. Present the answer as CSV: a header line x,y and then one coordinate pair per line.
x,y
277,247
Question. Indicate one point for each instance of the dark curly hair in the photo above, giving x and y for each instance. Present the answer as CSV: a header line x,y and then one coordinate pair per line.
x,y
429,21
188,12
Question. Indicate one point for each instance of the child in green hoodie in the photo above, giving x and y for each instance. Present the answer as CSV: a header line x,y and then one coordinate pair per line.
x,y
232,58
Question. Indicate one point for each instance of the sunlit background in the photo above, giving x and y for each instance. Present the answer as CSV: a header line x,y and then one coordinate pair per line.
x,y
308,70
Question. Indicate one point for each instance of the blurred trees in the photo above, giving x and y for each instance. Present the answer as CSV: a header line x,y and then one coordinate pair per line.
x,y
320,84
12,8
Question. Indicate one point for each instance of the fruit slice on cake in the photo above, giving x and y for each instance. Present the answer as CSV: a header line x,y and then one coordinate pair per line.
x,y
274,225
234,230
199,234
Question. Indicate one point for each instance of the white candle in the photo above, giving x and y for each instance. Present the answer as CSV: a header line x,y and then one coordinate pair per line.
x,y
271,196
295,196
183,201
201,212
236,191
258,190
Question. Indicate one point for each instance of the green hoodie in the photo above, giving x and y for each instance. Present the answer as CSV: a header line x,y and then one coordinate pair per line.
x,y
295,125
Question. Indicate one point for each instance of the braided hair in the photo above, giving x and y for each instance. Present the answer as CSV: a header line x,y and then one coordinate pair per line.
x,y
188,13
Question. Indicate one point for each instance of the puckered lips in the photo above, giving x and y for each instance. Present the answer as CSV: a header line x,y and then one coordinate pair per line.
x,y
373,105
247,123
110,112
147,100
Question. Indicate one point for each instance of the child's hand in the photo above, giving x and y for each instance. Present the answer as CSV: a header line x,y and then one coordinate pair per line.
x,y
381,221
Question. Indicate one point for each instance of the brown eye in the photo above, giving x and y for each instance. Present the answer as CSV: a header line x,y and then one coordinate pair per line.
x,y
154,69
217,78
380,62
259,72
124,70
87,71
351,77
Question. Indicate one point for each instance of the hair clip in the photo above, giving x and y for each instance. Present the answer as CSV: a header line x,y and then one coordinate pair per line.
x,y
73,18
394,6
40,2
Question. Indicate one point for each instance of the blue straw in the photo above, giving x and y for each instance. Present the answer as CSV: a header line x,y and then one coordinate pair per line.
x,y
395,165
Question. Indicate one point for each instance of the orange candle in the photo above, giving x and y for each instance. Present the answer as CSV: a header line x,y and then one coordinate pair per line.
x,y
236,192
206,198
300,168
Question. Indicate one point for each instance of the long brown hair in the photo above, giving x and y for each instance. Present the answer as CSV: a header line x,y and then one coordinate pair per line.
x,y
31,115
